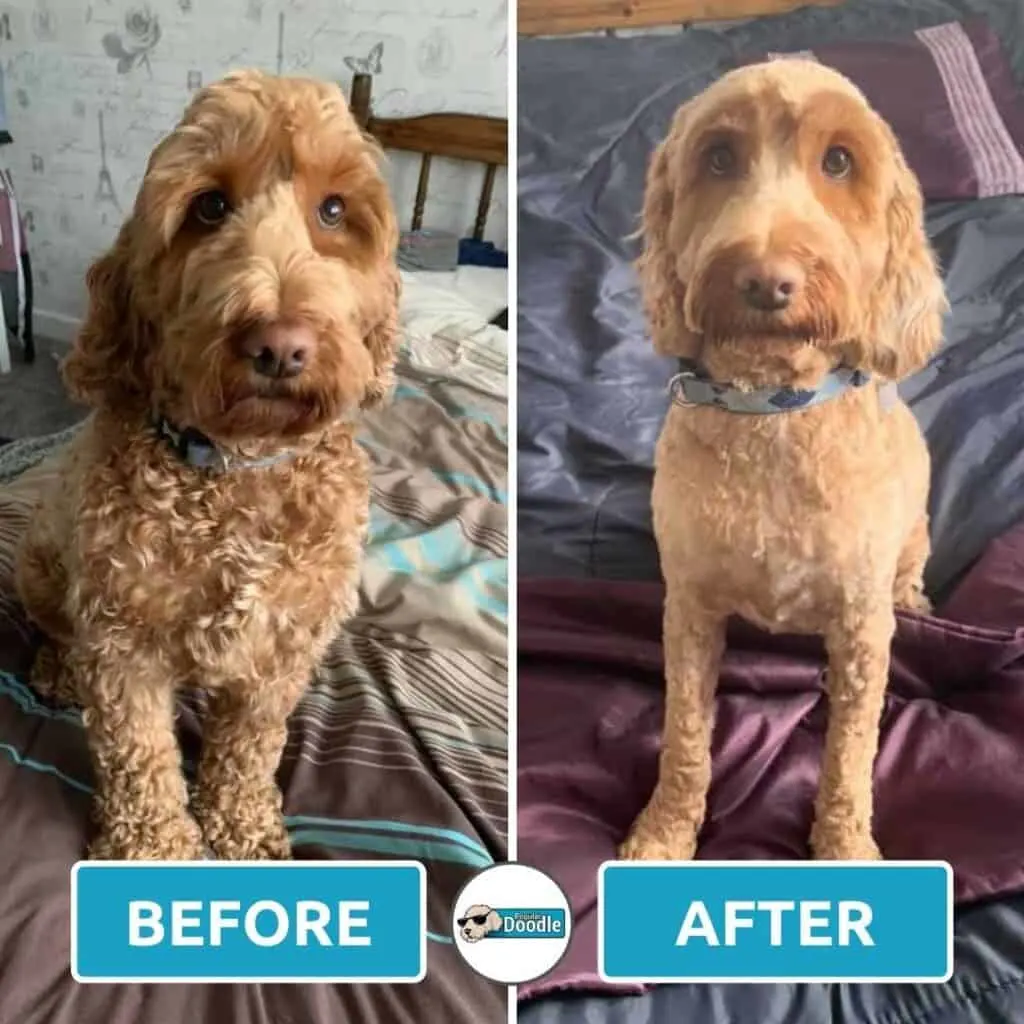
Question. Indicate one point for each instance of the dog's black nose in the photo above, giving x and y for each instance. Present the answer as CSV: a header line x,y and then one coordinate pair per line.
x,y
769,286
278,350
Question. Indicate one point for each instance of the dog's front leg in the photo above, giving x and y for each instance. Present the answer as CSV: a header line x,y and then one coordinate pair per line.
x,y
668,826
238,802
858,670
141,798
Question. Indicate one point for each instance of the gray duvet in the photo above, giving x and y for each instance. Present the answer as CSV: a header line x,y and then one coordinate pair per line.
x,y
592,396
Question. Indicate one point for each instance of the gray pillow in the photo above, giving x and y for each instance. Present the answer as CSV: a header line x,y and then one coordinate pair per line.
x,y
949,94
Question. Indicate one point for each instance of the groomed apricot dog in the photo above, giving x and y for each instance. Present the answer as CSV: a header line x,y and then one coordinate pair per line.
x,y
207,528
786,265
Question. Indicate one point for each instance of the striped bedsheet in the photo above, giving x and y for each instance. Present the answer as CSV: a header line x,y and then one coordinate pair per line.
x,y
398,749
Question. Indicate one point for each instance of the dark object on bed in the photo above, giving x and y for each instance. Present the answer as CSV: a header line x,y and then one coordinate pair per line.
x,y
474,253
457,136
501,320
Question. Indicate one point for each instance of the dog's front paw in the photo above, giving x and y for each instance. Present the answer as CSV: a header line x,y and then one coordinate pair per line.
x,y
176,838
50,677
245,831
842,840
651,840
913,599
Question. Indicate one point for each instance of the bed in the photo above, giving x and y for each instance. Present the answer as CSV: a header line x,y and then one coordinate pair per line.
x,y
598,83
399,748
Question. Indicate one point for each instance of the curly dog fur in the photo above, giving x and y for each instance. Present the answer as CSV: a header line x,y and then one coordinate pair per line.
x,y
261,217
810,521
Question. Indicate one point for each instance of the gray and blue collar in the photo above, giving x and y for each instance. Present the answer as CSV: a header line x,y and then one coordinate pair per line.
x,y
692,386
197,450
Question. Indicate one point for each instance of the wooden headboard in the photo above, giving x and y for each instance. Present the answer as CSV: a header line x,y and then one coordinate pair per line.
x,y
470,137
560,17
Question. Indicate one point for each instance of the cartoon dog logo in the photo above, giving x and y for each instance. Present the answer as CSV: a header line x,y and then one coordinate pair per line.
x,y
478,921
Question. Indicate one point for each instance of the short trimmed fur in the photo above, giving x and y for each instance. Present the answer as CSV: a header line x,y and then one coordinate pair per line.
x,y
148,575
809,521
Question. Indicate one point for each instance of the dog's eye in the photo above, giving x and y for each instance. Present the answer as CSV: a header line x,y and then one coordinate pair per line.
x,y
837,162
331,212
721,160
211,208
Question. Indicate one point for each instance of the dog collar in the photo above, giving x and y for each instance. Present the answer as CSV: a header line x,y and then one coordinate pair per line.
x,y
691,385
196,449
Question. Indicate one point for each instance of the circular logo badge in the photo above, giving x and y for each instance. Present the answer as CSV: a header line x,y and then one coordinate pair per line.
x,y
511,923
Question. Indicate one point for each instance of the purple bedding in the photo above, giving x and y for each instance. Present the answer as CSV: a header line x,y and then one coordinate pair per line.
x,y
949,776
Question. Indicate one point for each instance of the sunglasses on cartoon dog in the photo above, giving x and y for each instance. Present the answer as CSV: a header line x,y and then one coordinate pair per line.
x,y
476,919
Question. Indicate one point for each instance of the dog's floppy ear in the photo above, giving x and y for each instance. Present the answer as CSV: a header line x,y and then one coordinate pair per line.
x,y
904,321
105,365
664,295
493,922
383,338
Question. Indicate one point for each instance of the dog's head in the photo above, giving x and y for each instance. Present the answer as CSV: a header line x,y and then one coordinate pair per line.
x,y
252,293
479,920
779,212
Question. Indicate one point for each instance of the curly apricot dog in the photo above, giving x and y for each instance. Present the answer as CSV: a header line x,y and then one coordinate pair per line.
x,y
786,265
208,524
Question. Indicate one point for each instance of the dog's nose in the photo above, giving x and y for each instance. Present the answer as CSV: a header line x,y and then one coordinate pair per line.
x,y
278,350
769,285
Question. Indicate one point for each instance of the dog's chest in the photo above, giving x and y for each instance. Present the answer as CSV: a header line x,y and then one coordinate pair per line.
x,y
756,529
215,564
780,559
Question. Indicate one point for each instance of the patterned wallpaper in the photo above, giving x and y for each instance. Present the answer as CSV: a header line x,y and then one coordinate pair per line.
x,y
91,85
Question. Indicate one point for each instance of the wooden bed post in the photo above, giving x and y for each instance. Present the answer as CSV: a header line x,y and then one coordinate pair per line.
x,y
359,101
484,206
468,137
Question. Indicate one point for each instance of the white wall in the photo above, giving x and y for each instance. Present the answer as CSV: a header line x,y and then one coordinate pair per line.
x,y
66,63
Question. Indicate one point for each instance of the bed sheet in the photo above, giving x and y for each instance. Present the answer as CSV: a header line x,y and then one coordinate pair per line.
x,y
593,393
446,320
398,749
478,293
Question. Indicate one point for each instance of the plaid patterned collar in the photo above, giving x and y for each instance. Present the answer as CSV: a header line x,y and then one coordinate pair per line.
x,y
197,450
691,385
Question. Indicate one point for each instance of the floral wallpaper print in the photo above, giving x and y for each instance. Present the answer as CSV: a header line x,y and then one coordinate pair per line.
x,y
132,46
91,86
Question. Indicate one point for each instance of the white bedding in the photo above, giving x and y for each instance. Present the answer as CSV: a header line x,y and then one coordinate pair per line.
x,y
445,319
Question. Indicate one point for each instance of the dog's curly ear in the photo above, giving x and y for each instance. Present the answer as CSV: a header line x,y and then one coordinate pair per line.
x,y
904,321
493,921
105,365
383,338
664,294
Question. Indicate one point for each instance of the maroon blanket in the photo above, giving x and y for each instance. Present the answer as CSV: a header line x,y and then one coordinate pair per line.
x,y
950,772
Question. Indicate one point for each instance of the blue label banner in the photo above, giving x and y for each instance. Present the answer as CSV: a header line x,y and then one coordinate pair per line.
x,y
242,922
775,921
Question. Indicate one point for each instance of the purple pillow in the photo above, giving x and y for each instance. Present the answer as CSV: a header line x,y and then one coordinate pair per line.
x,y
949,94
